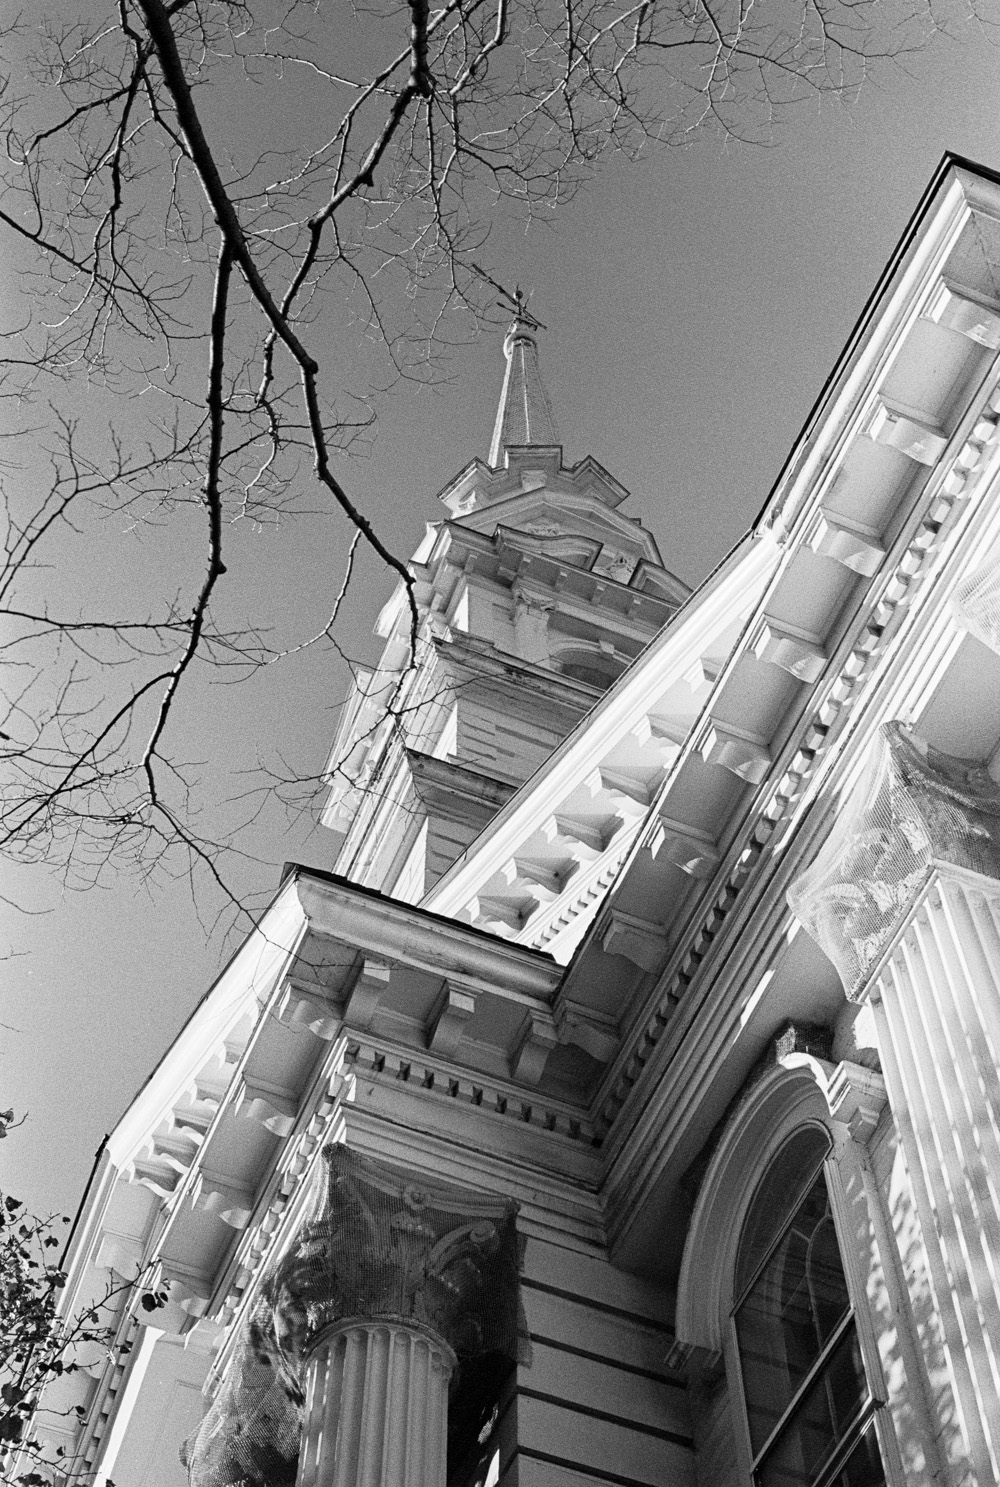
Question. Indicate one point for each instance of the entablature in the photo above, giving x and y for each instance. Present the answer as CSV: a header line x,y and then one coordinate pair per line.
x,y
874,642
570,567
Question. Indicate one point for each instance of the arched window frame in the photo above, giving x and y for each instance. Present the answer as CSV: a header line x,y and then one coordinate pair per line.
x,y
574,650
792,1094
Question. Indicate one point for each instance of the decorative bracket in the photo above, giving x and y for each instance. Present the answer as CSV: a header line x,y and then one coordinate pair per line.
x,y
958,310
912,433
487,909
454,1009
595,1032
800,655
533,1047
274,1107
850,543
639,941
190,1289
230,1201
693,851
743,754
702,672
586,839
661,735
121,1253
303,1005
631,794
367,992
159,1176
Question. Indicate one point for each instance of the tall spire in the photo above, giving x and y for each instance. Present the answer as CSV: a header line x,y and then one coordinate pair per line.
x,y
524,415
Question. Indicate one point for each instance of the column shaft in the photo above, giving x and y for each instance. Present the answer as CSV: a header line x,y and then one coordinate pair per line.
x,y
376,1412
940,1004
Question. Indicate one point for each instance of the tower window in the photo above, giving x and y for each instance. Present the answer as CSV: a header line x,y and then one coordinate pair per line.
x,y
590,666
809,1407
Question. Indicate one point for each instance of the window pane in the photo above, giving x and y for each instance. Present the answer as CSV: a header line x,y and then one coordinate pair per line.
x,y
864,1465
791,1172
819,1422
790,1313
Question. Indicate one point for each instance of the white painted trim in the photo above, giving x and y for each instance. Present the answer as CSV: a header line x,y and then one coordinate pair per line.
x,y
841,1167
403,932
621,709
254,971
785,1098
780,1102
126,1402
889,325
249,977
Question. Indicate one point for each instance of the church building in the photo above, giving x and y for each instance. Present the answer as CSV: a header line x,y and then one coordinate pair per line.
x,y
622,1108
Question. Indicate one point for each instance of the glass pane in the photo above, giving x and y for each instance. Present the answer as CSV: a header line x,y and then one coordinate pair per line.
x,y
819,1421
790,1313
791,1171
864,1465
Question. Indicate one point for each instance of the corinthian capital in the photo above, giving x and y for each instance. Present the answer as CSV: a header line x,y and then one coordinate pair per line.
x,y
917,811
392,1247
386,1248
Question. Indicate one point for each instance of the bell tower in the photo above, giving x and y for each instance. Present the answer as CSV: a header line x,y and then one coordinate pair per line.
x,y
534,594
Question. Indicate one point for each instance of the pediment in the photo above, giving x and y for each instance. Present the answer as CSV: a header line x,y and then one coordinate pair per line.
x,y
547,513
565,547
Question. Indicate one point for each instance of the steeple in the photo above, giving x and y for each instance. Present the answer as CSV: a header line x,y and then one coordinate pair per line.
x,y
535,594
524,415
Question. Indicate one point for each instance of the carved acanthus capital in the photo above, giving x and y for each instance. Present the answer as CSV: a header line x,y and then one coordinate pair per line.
x,y
528,603
386,1248
917,811
531,624
390,1247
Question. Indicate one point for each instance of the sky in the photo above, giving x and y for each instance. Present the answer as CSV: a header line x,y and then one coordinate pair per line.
x,y
694,303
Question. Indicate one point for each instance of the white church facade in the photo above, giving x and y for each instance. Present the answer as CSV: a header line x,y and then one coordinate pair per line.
x,y
623,1107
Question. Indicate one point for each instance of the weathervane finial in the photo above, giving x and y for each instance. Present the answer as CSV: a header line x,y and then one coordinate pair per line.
x,y
518,304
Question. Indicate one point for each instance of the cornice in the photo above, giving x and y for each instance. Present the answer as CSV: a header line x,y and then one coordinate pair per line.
x,y
506,479
248,979
824,744
440,780
479,661
957,188
550,569
385,926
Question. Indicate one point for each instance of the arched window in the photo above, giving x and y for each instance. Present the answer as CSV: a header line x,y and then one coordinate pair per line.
x,y
809,1408
588,663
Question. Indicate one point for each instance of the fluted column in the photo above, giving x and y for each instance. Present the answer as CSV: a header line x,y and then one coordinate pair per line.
x,y
376,1411
905,899
939,1012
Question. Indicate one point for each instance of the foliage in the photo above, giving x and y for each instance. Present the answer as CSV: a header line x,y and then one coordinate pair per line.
x,y
35,1346
38,1345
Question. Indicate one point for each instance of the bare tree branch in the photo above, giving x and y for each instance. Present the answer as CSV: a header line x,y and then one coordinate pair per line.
x,y
202,240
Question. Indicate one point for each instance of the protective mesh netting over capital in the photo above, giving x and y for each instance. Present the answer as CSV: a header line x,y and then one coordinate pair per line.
x,y
386,1247
915,808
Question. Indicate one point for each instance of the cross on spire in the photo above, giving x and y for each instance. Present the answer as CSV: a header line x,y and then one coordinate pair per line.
x,y
524,415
